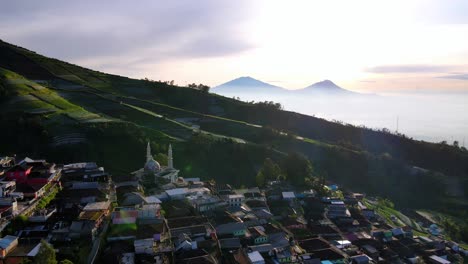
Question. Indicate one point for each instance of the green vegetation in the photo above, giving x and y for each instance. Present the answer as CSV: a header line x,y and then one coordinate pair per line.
x,y
270,171
46,254
17,223
123,230
386,209
65,261
47,199
116,114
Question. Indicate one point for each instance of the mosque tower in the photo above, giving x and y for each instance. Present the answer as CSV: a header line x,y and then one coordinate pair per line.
x,y
148,152
170,162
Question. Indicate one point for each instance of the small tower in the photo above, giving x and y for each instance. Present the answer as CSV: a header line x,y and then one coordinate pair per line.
x,y
170,162
148,152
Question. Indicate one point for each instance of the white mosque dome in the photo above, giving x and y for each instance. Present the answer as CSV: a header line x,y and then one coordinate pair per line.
x,y
152,166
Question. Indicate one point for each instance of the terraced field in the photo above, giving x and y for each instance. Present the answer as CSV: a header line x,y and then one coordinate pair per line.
x,y
33,98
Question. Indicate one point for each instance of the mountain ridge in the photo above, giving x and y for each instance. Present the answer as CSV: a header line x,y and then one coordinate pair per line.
x,y
247,84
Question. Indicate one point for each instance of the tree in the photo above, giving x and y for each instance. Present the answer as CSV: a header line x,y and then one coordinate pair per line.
x,y
66,261
203,88
297,168
270,170
18,223
46,254
161,158
260,179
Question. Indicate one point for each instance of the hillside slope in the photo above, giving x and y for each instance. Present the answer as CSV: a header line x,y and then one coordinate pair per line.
x,y
243,133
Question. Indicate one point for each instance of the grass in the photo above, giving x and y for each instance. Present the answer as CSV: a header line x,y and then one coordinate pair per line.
x,y
123,230
402,220
34,98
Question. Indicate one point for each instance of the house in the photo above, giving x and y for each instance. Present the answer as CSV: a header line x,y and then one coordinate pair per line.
x,y
84,171
149,211
32,172
368,213
294,223
177,193
438,260
235,229
92,216
221,189
144,246
257,205
257,235
132,198
254,194
337,209
342,244
255,258
360,259
370,251
5,163
18,172
235,200
7,187
152,200
288,195
22,253
204,202
122,215
230,243
314,244
30,191
7,244
282,255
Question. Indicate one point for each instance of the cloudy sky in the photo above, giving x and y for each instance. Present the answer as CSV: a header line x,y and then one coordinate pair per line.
x,y
366,45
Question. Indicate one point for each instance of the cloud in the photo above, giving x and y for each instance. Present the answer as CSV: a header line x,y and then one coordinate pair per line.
x,y
408,68
463,76
130,31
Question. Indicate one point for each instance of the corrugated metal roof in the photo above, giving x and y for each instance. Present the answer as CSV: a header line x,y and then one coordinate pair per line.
x,y
6,241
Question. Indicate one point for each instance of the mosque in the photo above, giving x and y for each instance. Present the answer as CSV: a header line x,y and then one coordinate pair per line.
x,y
153,167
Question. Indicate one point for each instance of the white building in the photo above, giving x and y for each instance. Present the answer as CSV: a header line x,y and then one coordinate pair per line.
x,y
288,195
235,200
205,202
154,168
256,258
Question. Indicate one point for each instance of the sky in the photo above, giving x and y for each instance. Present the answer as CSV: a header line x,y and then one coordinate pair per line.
x,y
369,46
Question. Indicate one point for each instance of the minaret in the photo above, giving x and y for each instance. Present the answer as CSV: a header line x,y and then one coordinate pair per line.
x,y
148,152
170,162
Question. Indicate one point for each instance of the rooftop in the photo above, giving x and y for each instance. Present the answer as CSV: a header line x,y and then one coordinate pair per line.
x,y
90,215
255,257
288,195
7,240
97,206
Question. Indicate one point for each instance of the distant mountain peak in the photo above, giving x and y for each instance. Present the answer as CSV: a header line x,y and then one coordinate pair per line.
x,y
246,84
326,86
246,81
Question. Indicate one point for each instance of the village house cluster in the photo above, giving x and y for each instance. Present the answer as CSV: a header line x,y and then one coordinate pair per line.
x,y
65,205
154,216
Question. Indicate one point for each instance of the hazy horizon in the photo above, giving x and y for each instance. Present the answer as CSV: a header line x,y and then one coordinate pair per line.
x,y
366,46
428,117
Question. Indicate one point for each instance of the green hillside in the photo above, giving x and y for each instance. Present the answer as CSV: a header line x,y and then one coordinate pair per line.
x,y
46,101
